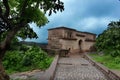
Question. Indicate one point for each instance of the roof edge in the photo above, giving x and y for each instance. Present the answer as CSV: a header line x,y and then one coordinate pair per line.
x,y
62,27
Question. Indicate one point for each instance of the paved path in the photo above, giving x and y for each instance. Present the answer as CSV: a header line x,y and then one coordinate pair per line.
x,y
77,68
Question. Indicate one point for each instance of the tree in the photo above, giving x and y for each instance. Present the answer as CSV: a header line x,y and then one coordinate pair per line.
x,y
109,40
15,16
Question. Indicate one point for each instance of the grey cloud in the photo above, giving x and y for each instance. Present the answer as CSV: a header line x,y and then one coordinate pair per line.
x,y
78,13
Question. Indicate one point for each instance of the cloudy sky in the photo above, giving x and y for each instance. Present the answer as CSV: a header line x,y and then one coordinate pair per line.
x,y
82,15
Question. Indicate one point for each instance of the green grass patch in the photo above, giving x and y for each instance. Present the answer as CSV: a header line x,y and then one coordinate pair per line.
x,y
107,60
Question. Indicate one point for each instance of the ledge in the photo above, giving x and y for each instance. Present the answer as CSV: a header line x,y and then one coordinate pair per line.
x,y
89,40
69,38
79,35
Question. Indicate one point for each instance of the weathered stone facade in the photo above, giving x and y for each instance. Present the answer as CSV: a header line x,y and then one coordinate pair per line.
x,y
66,38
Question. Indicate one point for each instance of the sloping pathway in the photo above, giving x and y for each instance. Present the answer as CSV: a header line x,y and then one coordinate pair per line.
x,y
77,68
29,75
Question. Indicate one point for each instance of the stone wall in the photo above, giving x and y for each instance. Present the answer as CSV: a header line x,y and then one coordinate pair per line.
x,y
66,38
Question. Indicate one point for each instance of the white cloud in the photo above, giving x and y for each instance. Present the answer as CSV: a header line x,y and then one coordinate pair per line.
x,y
92,23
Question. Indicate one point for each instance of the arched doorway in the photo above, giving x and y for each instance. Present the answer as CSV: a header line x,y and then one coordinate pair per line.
x,y
80,45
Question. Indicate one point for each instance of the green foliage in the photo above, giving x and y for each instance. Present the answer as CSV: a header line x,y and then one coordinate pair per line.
x,y
12,58
107,60
109,40
27,32
27,58
115,53
19,13
16,15
23,48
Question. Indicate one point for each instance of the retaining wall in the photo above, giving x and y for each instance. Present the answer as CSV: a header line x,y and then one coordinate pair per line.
x,y
109,74
49,73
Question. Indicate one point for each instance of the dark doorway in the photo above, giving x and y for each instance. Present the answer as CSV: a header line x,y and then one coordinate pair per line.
x,y
80,45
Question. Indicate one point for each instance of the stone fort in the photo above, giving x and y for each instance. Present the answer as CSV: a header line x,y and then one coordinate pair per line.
x,y
67,38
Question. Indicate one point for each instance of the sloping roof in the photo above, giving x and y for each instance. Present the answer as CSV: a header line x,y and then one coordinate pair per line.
x,y
62,27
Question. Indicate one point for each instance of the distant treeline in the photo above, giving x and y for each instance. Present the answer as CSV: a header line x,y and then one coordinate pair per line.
x,y
42,45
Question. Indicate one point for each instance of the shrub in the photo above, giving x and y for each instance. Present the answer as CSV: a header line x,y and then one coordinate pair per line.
x,y
12,60
33,58
109,40
117,60
115,53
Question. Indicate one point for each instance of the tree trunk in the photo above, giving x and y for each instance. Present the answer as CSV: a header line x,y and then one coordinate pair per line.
x,y
3,75
3,48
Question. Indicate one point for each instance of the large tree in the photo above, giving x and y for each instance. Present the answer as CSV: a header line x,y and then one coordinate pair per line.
x,y
109,40
15,16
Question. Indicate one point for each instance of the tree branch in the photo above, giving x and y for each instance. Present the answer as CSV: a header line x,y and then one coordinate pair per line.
x,y
22,12
37,4
5,20
0,10
5,2
23,7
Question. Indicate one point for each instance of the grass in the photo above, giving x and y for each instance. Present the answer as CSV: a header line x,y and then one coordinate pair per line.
x,y
107,60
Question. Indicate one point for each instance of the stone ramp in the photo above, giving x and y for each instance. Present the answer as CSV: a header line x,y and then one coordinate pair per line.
x,y
77,68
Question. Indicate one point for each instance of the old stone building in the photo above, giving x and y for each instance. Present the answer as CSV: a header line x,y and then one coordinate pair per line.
x,y
67,38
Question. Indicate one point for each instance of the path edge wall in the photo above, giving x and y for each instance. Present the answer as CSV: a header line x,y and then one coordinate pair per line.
x,y
50,72
110,74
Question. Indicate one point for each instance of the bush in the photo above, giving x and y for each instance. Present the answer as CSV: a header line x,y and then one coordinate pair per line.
x,y
34,57
115,53
117,60
12,60
109,40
